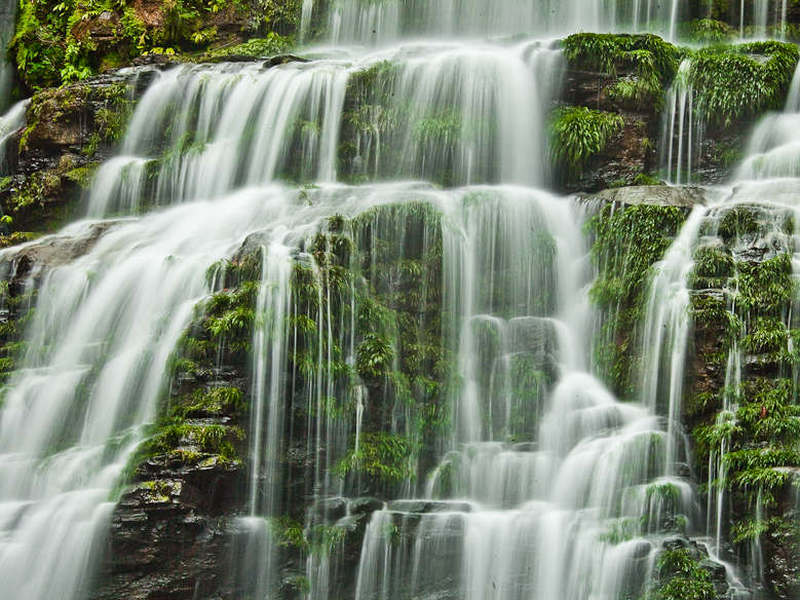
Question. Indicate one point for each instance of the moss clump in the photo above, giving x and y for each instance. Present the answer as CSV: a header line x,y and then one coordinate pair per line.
x,y
578,133
709,31
185,438
648,55
765,288
77,115
374,357
271,45
742,81
384,456
681,576
713,265
212,402
636,93
762,436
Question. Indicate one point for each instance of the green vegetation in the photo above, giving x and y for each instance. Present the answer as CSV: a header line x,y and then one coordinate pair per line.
x,y
680,576
578,133
273,44
762,436
211,402
629,240
61,41
745,305
189,440
742,81
709,31
384,456
647,55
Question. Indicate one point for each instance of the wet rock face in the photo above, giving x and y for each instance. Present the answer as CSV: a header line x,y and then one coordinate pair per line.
x,y
172,532
162,544
781,548
629,153
68,132
653,195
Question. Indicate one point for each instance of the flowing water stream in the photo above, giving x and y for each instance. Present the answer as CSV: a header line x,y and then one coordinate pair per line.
x,y
547,486
8,11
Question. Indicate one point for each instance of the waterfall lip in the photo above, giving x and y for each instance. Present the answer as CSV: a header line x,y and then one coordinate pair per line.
x,y
775,192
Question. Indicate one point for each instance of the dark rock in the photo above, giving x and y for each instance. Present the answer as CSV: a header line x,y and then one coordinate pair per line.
x,y
363,506
283,59
329,509
429,506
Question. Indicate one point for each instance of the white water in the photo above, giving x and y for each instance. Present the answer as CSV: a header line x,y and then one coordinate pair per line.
x,y
10,123
95,367
354,21
567,513
774,147
8,12
557,489
763,18
765,184
682,129
469,113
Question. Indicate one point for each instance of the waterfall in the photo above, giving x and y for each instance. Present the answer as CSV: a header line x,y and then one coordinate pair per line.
x,y
8,14
353,21
455,113
392,192
539,522
763,19
774,146
10,124
305,19
95,367
681,129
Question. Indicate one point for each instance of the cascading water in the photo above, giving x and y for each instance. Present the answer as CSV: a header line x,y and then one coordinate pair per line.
x,y
762,18
774,147
93,372
352,21
546,487
523,512
455,113
682,128
8,12
723,249
10,123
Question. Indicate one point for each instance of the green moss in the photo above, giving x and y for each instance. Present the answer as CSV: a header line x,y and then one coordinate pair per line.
x,y
762,436
579,133
648,55
636,93
374,358
646,179
288,533
35,192
680,576
765,287
384,456
216,401
766,335
738,82
82,175
211,439
711,265
271,45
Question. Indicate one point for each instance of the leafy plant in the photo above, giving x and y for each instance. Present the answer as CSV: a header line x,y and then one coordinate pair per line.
x,y
578,133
